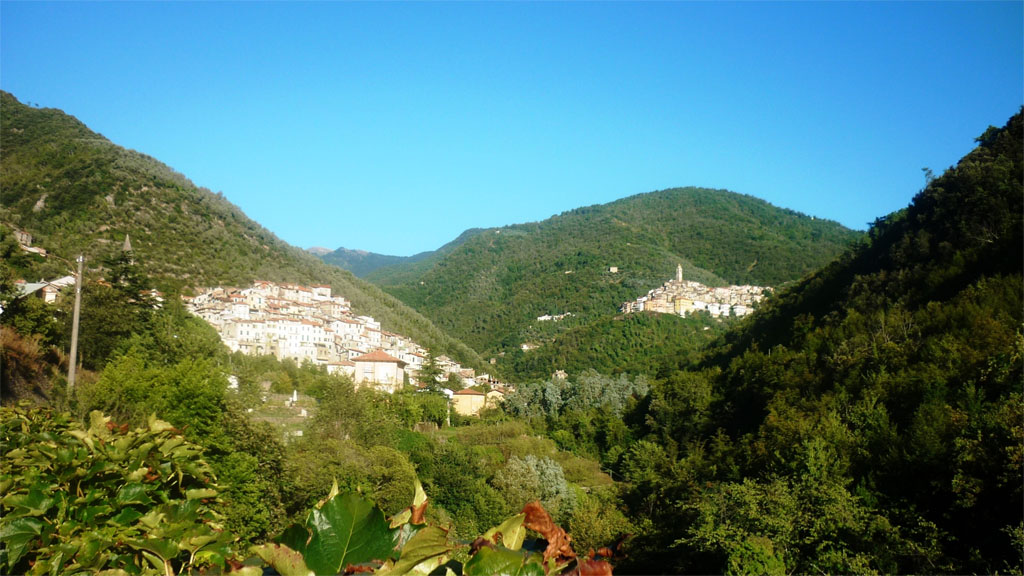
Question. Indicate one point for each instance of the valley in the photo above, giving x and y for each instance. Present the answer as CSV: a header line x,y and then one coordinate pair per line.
x,y
487,287
790,396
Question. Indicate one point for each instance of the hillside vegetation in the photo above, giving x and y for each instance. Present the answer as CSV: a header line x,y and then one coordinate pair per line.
x,y
870,418
78,193
490,287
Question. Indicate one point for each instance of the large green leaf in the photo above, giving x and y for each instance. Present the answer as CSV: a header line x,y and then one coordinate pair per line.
x,y
126,517
164,548
35,503
295,537
88,514
133,493
501,561
430,543
17,534
512,532
346,530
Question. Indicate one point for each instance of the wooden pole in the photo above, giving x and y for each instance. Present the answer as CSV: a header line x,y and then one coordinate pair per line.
x,y
73,360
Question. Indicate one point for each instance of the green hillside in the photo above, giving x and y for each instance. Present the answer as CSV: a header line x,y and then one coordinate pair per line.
x,y
76,192
490,288
630,344
868,420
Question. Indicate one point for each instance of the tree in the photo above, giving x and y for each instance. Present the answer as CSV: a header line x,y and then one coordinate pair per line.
x,y
107,318
454,382
30,316
9,250
596,519
524,480
429,373
127,278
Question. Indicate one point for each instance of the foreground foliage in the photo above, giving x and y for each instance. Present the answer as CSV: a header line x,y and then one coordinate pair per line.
x,y
347,534
80,500
83,500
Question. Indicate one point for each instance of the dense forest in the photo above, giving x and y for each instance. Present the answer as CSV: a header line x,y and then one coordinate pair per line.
x,y
868,418
624,343
488,286
78,193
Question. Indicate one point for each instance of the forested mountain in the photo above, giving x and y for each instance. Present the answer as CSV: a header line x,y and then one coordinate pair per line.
x,y
78,193
490,287
361,263
868,419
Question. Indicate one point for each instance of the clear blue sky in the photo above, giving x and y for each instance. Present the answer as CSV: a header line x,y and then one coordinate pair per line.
x,y
393,127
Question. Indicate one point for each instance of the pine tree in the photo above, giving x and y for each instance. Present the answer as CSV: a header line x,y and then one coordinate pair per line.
x,y
429,373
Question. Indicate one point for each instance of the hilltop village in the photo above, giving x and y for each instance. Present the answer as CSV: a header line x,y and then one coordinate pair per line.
x,y
678,296
308,323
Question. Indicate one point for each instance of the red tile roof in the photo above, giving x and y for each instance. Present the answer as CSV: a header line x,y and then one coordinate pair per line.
x,y
377,356
469,392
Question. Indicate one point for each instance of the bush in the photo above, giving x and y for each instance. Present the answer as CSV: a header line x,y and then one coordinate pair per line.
x,y
105,497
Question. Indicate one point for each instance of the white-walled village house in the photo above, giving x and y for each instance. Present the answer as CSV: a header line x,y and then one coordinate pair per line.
x,y
379,369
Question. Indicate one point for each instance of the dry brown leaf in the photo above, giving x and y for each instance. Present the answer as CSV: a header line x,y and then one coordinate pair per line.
x,y
538,520
594,568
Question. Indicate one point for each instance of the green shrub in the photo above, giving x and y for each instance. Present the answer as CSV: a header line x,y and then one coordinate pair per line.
x,y
80,500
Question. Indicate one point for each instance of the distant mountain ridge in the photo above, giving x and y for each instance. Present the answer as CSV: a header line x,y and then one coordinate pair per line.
x,y
488,287
363,263
78,193
359,262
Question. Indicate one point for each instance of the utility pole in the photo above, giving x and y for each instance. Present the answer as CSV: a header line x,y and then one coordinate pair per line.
x,y
73,361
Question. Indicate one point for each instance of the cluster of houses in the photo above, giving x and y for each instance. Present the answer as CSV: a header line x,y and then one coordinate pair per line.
x,y
309,323
687,297
48,290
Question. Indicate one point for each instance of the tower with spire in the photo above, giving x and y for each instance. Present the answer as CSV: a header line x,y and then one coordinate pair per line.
x,y
127,249
679,273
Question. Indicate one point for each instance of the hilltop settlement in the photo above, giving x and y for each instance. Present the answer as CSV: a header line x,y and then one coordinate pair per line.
x,y
310,324
684,297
